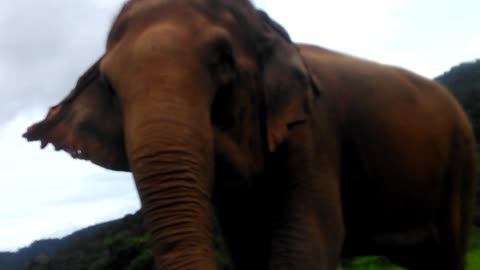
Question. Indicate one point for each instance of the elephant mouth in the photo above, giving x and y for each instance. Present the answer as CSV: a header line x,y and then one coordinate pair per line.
x,y
55,130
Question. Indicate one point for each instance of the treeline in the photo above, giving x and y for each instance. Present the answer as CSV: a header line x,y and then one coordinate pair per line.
x,y
119,244
116,245
463,81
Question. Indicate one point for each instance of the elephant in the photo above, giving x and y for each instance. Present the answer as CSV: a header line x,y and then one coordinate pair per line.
x,y
304,155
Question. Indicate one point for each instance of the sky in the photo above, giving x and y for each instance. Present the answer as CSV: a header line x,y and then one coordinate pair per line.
x,y
45,45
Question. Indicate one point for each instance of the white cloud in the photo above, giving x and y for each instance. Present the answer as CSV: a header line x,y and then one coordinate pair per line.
x,y
45,46
473,45
341,25
427,37
366,29
60,220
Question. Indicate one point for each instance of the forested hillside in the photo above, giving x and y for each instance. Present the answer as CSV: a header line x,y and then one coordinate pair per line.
x,y
119,244
115,245
464,82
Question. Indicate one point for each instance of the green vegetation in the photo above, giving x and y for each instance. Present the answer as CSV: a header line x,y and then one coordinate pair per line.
x,y
129,251
473,256
370,263
223,260
120,244
380,263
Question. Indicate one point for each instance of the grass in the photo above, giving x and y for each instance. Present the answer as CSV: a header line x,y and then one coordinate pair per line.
x,y
380,263
473,256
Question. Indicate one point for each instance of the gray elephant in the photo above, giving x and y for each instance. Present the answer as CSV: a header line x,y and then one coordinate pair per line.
x,y
304,154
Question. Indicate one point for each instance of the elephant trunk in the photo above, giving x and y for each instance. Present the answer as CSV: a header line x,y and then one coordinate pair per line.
x,y
170,150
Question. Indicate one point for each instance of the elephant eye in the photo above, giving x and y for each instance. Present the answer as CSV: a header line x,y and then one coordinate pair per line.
x,y
107,85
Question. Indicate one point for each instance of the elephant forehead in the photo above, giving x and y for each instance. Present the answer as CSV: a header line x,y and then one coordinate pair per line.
x,y
133,7
238,16
135,11
168,37
220,9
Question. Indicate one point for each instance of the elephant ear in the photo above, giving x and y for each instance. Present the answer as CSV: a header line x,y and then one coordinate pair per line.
x,y
287,83
87,124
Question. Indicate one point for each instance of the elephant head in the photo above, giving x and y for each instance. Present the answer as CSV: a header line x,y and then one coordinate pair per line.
x,y
183,84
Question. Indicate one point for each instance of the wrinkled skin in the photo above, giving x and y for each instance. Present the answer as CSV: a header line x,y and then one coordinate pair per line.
x,y
305,155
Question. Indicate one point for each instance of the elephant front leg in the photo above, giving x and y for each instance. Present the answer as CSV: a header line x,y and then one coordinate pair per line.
x,y
308,229
308,236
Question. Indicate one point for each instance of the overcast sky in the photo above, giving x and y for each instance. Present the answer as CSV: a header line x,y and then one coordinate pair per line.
x,y
45,45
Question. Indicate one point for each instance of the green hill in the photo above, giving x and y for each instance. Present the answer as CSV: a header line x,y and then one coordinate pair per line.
x,y
116,245
119,244
463,81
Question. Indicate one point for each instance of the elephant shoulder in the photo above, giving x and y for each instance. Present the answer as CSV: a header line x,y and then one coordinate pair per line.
x,y
369,92
339,70
354,77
